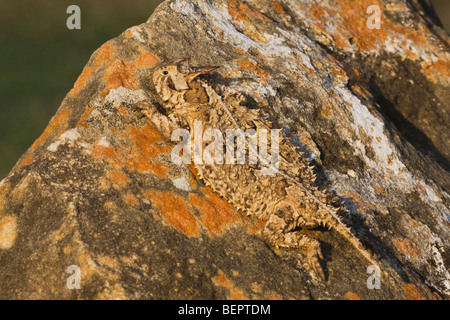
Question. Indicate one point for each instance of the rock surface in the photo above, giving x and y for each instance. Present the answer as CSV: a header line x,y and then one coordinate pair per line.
x,y
98,189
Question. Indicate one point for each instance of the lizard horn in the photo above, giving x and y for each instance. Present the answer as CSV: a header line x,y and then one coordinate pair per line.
x,y
199,71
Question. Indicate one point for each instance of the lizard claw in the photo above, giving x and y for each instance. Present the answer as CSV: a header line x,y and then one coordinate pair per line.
x,y
138,112
142,109
313,256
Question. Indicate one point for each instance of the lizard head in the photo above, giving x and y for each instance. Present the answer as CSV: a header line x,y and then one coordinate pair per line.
x,y
172,78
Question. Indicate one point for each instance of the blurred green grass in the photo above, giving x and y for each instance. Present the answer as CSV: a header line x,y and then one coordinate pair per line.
x,y
40,59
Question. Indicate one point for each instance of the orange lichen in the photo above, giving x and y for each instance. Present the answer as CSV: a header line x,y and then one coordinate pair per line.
x,y
104,184
236,294
389,159
421,189
216,212
233,73
82,80
117,292
117,177
412,292
139,163
272,295
256,227
25,161
436,296
378,188
130,199
145,58
406,247
222,280
278,7
123,73
432,294
321,13
337,71
145,149
439,67
354,24
351,24
84,116
108,262
174,211
145,140
159,169
103,54
360,201
341,41
326,110
128,34
240,11
58,121
219,32
138,153
107,152
192,181
352,296
119,74
308,71
252,67
123,110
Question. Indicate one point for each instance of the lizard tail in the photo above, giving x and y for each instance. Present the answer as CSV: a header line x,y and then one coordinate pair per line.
x,y
336,224
331,219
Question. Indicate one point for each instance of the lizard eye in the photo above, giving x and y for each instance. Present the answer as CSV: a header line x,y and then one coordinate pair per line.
x,y
165,73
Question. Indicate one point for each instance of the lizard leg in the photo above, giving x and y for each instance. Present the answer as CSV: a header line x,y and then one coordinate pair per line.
x,y
164,124
278,233
145,109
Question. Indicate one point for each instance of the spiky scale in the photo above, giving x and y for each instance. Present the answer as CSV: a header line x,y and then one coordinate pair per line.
x,y
288,198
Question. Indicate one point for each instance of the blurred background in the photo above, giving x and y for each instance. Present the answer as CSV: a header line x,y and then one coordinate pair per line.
x,y
40,59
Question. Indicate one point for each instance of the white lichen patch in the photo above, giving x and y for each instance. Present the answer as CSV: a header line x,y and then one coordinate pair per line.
x,y
400,44
182,184
221,20
86,146
351,173
385,160
441,270
429,192
428,195
2,183
69,136
123,95
273,46
8,232
385,157
103,142
137,33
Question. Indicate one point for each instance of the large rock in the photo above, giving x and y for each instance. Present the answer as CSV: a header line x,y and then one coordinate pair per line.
x,y
98,189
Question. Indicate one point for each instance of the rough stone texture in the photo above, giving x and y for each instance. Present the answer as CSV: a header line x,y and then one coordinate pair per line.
x,y
98,189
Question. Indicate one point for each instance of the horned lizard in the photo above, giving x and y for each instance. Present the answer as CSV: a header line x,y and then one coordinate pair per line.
x,y
287,200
